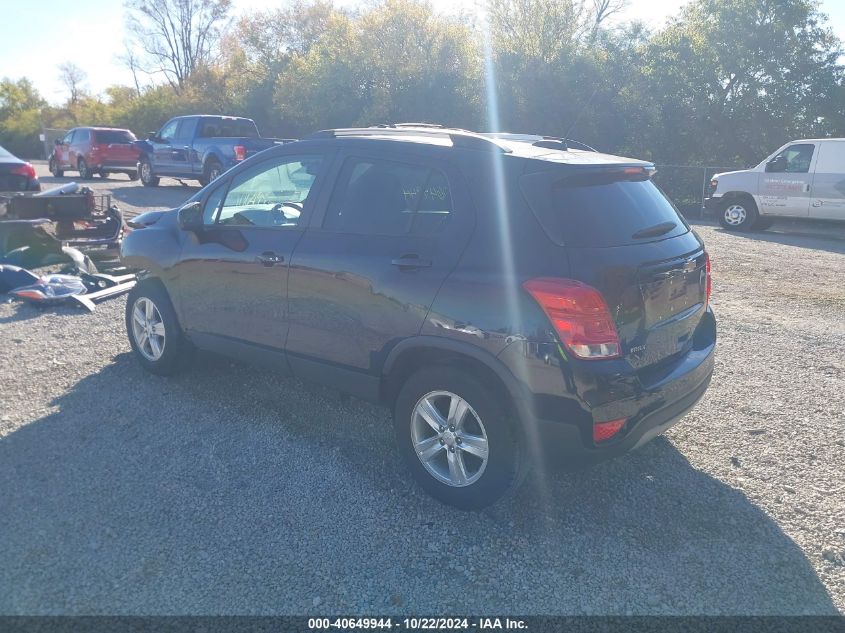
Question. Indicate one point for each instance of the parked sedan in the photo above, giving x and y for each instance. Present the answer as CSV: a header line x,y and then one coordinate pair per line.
x,y
96,150
16,174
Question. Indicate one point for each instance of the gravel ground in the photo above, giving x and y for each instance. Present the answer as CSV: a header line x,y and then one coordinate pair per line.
x,y
231,490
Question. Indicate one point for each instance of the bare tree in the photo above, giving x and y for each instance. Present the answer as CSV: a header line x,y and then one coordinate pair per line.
x,y
603,9
130,58
72,76
177,36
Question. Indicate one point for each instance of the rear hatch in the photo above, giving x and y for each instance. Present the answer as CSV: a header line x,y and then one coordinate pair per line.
x,y
626,239
115,147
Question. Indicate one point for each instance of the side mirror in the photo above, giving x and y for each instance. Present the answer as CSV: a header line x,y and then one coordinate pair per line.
x,y
190,217
778,163
57,142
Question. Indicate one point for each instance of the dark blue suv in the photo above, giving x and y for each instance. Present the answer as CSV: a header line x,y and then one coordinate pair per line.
x,y
510,297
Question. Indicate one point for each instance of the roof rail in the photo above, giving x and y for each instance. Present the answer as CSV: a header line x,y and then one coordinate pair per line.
x,y
459,138
538,140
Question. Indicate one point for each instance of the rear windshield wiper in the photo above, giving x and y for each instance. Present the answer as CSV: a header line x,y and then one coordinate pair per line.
x,y
654,231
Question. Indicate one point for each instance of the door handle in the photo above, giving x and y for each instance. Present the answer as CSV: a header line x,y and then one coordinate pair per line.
x,y
269,258
410,261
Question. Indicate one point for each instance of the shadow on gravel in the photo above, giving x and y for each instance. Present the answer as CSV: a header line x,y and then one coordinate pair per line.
x,y
818,235
24,311
228,490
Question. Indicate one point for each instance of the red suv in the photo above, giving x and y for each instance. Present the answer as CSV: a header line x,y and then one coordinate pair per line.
x,y
96,150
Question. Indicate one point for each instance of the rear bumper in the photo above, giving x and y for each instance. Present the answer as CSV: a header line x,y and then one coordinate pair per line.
x,y
561,424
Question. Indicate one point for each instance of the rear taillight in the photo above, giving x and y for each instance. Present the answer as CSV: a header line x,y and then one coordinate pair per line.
x,y
26,170
579,315
240,152
709,285
603,431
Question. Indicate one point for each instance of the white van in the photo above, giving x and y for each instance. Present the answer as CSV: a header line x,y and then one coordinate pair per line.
x,y
802,179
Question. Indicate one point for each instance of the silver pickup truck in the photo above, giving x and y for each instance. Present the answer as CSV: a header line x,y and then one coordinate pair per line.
x,y
802,179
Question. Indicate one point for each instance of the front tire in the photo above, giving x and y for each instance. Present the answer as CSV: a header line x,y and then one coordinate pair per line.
x,y
145,168
54,168
154,332
738,214
456,437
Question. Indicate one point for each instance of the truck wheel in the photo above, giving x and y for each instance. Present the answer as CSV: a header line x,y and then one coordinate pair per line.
x,y
738,214
457,438
146,171
82,168
54,168
211,172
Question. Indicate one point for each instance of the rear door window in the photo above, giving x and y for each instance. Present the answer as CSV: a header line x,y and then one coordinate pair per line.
x,y
223,127
600,208
382,197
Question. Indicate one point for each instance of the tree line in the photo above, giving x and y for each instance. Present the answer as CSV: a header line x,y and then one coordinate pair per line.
x,y
723,83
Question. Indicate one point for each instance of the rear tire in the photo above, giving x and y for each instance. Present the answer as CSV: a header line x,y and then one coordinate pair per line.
x,y
446,461
154,332
211,172
738,214
54,168
145,168
82,168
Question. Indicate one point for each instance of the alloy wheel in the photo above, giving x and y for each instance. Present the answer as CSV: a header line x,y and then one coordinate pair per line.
x,y
148,329
449,438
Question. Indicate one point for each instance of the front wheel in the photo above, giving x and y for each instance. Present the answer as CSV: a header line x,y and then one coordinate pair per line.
x,y
456,437
738,214
146,171
54,168
154,331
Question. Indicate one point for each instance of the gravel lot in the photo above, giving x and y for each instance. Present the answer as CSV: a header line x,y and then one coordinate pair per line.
x,y
231,490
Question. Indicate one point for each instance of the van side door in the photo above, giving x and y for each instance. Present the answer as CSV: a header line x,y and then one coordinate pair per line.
x,y
786,182
828,194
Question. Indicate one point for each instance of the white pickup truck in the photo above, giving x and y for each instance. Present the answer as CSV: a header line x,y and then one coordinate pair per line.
x,y
802,179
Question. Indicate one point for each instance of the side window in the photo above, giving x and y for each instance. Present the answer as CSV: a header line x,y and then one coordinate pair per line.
x,y
68,139
210,128
82,136
380,197
272,193
212,204
186,128
795,159
168,132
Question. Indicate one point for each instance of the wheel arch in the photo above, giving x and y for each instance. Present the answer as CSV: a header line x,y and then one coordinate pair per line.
x,y
413,354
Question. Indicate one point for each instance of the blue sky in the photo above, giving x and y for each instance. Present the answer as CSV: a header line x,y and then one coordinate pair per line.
x,y
90,33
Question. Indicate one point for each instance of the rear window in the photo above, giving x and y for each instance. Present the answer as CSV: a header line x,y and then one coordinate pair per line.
x,y
107,137
228,128
600,208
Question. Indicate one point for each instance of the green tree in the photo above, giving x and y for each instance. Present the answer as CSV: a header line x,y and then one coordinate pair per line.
x,y
20,118
730,80
398,61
